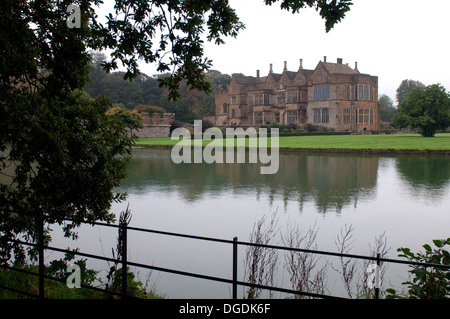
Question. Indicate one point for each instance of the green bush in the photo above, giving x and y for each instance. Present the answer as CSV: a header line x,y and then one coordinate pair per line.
x,y
426,282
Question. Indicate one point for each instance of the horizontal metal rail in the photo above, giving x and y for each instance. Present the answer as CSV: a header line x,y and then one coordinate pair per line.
x,y
174,271
310,251
125,263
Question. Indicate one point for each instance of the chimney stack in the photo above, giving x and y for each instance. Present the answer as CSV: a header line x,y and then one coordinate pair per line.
x,y
356,66
257,73
301,63
285,65
270,71
324,59
339,61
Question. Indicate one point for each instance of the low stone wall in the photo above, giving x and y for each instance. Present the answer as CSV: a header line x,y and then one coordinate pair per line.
x,y
153,131
156,119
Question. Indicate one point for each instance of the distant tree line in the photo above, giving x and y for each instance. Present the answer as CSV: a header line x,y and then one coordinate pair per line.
x,y
426,108
387,107
145,90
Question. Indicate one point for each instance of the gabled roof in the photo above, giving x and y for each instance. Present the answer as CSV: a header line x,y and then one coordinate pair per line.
x,y
291,74
242,79
338,68
275,76
331,68
307,73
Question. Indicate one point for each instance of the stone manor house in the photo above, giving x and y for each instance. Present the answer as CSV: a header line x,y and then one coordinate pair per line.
x,y
332,95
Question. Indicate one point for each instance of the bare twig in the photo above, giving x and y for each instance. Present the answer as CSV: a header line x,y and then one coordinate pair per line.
x,y
301,266
260,264
344,243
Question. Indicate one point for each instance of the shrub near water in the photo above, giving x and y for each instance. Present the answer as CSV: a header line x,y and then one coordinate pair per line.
x,y
427,282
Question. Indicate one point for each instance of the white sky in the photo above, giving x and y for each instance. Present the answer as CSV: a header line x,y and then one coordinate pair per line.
x,y
391,39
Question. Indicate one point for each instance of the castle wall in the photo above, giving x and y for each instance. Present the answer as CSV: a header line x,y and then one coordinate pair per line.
x,y
153,131
155,125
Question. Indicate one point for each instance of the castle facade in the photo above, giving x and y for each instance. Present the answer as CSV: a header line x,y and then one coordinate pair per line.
x,y
332,95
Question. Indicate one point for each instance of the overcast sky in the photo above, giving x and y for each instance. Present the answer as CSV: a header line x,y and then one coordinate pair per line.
x,y
392,39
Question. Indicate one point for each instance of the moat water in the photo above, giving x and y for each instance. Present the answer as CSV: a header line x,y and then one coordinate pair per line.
x,y
406,198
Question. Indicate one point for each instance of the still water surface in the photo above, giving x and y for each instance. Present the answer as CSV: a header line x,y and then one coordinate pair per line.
x,y
405,197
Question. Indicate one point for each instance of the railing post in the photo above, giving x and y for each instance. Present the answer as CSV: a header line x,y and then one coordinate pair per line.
x,y
377,278
123,229
235,255
41,254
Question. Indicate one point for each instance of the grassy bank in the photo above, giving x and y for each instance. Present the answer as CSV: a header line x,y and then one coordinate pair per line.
x,y
394,142
27,286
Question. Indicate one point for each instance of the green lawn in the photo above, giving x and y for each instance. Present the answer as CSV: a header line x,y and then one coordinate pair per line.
x,y
355,142
358,142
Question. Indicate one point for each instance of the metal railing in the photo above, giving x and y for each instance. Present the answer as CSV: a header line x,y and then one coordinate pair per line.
x,y
123,260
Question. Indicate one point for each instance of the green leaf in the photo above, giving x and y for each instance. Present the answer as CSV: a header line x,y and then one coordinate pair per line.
x,y
438,243
446,258
391,291
407,252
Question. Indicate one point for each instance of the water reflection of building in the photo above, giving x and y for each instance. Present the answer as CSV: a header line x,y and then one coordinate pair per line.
x,y
329,181
337,181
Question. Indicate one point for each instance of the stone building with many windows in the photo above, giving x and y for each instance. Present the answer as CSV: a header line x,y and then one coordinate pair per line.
x,y
332,95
